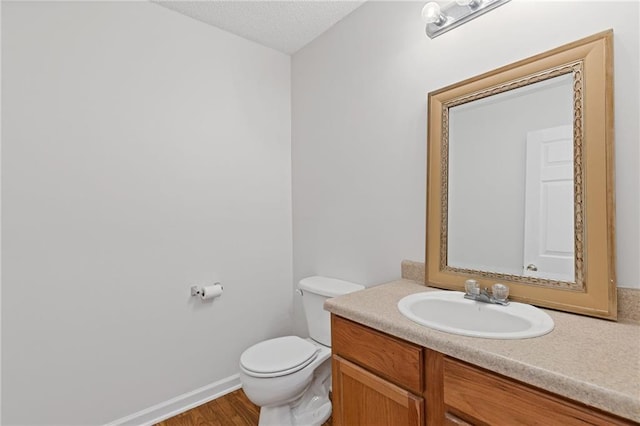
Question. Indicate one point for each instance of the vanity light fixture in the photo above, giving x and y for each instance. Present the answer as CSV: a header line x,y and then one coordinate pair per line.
x,y
455,13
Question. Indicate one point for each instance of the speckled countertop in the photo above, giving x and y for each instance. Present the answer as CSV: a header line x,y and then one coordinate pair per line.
x,y
590,360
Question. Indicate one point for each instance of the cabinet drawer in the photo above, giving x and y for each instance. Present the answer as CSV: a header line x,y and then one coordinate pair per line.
x,y
396,360
480,396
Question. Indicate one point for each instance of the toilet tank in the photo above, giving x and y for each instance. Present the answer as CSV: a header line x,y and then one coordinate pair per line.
x,y
315,290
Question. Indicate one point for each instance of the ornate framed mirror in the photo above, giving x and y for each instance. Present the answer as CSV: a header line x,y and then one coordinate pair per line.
x,y
520,180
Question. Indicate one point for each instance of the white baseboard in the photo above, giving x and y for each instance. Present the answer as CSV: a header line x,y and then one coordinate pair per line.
x,y
180,404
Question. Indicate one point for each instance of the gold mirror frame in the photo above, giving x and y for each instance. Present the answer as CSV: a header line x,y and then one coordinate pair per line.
x,y
593,292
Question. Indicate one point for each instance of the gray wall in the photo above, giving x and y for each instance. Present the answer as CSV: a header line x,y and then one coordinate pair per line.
x,y
142,152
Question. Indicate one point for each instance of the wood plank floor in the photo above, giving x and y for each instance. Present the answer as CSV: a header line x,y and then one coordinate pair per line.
x,y
233,409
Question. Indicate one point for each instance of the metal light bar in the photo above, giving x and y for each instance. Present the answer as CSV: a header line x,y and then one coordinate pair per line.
x,y
454,15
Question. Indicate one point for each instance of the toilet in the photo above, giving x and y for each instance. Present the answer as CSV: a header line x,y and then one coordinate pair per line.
x,y
289,377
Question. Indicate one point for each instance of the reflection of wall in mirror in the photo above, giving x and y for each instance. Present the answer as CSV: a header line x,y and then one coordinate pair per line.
x,y
487,150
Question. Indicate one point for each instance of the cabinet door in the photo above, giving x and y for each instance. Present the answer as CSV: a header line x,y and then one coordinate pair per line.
x,y
362,398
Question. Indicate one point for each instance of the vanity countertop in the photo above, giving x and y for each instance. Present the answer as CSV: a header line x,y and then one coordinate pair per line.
x,y
590,360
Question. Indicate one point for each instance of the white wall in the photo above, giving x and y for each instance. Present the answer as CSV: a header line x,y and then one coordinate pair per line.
x,y
142,152
359,125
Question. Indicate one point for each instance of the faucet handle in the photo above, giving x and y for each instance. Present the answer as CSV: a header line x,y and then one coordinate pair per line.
x,y
500,292
471,287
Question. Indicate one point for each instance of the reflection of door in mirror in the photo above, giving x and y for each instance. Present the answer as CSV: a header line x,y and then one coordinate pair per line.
x,y
548,214
486,179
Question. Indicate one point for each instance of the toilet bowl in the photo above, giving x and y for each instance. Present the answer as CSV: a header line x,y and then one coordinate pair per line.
x,y
289,377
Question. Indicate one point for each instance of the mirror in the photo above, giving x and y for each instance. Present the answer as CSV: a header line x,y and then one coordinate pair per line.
x,y
520,180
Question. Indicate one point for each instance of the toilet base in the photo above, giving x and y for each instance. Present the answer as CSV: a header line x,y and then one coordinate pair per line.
x,y
285,415
313,408
275,416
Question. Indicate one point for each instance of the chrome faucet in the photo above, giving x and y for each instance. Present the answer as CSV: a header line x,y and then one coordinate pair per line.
x,y
497,297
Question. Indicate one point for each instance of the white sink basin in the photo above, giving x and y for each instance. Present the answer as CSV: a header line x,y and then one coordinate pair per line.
x,y
449,311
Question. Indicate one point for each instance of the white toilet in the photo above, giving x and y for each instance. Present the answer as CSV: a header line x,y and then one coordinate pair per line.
x,y
289,377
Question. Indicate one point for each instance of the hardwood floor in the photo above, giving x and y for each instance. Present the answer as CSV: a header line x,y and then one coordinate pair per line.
x,y
233,409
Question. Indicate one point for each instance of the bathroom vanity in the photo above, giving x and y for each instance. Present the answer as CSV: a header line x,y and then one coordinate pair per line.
x,y
388,370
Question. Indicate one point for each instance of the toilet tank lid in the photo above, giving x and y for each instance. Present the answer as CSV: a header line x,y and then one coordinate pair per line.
x,y
329,287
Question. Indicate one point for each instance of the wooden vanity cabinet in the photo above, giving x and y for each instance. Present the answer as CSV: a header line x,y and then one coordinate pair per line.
x,y
380,379
377,378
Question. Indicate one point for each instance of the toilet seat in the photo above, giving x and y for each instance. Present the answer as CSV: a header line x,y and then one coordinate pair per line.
x,y
278,357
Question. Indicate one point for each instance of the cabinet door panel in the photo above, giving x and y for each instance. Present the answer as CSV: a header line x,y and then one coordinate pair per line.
x,y
362,398
487,398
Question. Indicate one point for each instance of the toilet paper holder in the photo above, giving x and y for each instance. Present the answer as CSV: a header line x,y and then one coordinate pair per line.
x,y
199,291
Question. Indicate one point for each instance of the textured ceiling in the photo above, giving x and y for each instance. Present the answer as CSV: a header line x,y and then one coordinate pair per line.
x,y
283,25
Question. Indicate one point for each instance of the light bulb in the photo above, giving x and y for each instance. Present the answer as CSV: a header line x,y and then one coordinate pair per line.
x,y
431,13
470,3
